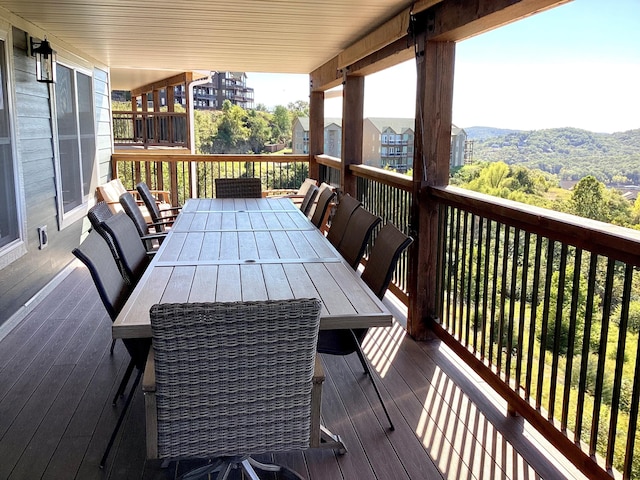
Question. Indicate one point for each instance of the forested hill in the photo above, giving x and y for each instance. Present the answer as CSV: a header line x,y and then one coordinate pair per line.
x,y
570,153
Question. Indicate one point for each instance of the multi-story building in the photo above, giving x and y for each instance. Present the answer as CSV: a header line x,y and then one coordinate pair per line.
x,y
332,136
386,142
230,86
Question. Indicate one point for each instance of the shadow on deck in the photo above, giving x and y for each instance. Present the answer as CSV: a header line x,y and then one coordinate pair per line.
x,y
57,379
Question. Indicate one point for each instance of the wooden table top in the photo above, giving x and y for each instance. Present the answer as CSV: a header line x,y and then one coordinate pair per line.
x,y
256,255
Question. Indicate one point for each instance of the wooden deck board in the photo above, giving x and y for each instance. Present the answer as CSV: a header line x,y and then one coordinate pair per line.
x,y
57,380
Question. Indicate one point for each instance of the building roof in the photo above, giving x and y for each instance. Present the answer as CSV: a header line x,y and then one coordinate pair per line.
x,y
304,121
398,125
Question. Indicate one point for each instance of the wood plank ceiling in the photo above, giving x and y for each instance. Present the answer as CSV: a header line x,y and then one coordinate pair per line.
x,y
279,36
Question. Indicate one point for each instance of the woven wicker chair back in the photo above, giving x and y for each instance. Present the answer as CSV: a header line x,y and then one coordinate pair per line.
x,y
238,188
234,378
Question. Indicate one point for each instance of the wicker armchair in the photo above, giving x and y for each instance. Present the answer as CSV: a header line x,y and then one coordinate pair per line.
x,y
228,380
238,187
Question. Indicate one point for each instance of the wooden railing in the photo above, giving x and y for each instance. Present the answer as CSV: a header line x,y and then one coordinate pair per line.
x,y
186,176
168,129
546,306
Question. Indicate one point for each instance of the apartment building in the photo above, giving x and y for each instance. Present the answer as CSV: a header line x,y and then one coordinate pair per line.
x,y
386,142
332,136
230,86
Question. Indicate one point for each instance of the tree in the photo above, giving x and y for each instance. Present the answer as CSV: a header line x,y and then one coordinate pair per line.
x,y
299,108
281,124
259,131
587,199
233,134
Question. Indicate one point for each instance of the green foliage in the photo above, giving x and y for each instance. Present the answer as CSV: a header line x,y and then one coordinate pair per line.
x,y
569,153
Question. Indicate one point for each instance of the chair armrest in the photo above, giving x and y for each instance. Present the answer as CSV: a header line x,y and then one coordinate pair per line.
x,y
154,236
149,376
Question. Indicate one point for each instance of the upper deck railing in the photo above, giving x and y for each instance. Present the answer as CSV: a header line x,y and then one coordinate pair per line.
x,y
150,129
544,305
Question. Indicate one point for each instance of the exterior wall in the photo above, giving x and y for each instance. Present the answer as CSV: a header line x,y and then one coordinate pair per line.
x,y
333,140
25,276
299,138
370,144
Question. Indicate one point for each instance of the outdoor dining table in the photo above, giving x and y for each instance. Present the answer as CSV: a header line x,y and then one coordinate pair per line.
x,y
224,250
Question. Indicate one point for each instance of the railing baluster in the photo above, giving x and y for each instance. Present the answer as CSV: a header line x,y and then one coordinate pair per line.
x,y
512,301
494,291
521,316
476,300
503,293
485,292
469,279
571,339
633,418
557,330
545,322
602,354
463,273
532,317
617,379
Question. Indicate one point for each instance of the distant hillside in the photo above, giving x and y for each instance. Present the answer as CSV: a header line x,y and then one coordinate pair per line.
x,y
570,153
482,133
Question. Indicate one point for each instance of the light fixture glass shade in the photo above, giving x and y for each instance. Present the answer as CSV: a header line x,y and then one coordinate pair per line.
x,y
45,61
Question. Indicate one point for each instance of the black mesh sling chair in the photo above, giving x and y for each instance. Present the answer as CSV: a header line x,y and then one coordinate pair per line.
x,y
113,291
346,206
318,217
131,208
133,256
226,381
357,234
166,214
389,245
309,198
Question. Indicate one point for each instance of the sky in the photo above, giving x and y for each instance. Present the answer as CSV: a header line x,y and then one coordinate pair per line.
x,y
577,65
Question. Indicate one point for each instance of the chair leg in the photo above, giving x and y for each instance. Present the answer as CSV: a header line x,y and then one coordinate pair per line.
x,y
121,418
123,382
367,369
113,345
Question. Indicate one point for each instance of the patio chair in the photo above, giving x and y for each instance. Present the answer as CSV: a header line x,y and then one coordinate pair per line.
x,y
243,187
114,292
346,206
357,234
320,214
389,245
159,211
228,380
132,254
309,199
132,209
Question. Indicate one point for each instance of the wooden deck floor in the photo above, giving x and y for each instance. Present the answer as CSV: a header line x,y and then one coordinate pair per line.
x,y
57,379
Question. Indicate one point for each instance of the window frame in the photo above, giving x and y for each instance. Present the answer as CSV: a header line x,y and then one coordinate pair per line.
x,y
77,213
18,247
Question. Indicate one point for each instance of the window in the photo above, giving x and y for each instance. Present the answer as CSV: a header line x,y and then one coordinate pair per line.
x,y
76,136
10,227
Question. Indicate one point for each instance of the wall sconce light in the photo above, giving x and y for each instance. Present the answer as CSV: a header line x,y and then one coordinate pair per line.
x,y
45,60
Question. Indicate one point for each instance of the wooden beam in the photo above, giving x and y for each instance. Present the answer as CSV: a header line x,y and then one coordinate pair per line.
x,y
178,79
447,20
352,114
316,132
434,105
452,23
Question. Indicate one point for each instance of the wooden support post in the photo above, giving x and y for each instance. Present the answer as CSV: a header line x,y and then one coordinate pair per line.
x,y
434,104
316,132
352,114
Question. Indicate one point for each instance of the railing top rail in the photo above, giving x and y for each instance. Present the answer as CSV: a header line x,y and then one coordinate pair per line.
x,y
329,161
160,156
393,179
601,238
147,113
